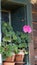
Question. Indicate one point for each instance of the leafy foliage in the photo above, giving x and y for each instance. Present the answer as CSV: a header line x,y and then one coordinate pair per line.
x,y
12,41
23,40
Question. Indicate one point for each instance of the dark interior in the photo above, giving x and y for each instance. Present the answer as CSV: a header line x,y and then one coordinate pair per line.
x,y
10,6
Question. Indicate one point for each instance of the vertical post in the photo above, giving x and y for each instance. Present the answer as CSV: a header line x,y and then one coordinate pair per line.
x,y
29,14
31,44
0,34
10,21
9,17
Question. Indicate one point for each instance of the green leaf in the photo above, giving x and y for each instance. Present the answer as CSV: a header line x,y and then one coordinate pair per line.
x,y
26,52
7,39
14,37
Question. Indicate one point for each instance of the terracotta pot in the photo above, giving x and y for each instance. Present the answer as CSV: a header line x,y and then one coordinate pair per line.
x,y
12,58
19,63
19,58
8,63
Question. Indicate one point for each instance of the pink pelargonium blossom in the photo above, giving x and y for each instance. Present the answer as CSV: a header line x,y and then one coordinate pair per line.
x,y
27,29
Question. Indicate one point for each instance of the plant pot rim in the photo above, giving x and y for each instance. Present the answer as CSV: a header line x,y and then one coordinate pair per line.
x,y
19,54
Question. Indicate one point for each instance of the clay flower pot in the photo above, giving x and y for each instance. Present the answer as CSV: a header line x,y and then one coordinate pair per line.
x,y
12,58
8,63
19,57
20,63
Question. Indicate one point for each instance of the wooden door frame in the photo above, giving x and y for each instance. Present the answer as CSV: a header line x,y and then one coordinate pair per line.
x,y
29,22
31,44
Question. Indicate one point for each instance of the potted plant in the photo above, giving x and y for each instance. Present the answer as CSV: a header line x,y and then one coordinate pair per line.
x,y
21,47
16,43
8,54
23,44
